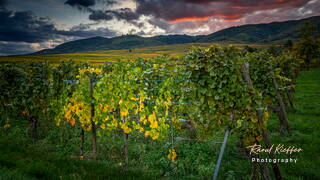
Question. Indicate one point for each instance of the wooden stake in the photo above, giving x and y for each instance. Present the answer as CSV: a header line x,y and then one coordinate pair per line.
x,y
81,143
284,124
93,125
265,135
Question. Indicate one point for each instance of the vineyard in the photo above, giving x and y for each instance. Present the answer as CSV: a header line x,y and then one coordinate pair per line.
x,y
102,56
189,117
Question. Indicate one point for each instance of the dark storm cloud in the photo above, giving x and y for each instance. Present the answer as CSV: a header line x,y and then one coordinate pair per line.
x,y
196,17
125,14
84,30
199,1
86,4
101,15
120,14
83,3
3,4
12,48
181,10
195,10
24,26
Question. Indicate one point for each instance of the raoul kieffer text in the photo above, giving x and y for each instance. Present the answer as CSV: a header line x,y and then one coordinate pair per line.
x,y
274,149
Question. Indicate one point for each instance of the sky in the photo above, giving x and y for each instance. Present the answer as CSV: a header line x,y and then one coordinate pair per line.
x,y
31,25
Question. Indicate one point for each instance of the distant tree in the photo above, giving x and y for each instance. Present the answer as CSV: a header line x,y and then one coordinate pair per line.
x,y
130,50
308,46
288,44
274,50
249,49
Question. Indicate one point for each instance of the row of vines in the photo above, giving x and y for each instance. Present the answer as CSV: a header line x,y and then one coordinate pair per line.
x,y
207,90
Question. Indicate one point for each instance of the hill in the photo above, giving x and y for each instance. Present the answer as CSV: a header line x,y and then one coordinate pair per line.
x,y
271,33
116,43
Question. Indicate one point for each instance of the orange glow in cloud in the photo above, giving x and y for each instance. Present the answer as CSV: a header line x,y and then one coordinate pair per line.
x,y
240,7
232,19
225,17
189,19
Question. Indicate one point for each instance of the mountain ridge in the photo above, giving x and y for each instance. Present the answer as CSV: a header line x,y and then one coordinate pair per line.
x,y
265,33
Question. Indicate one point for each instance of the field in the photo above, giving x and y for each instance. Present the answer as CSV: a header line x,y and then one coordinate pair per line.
x,y
98,57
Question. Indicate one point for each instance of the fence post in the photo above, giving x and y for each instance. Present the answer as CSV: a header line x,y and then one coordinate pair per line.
x,y
222,148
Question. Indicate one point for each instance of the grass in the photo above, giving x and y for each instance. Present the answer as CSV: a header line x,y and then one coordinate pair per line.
x,y
305,128
20,158
103,56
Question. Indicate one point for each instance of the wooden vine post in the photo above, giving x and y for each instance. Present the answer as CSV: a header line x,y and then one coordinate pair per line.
x,y
93,125
81,143
125,146
276,170
284,124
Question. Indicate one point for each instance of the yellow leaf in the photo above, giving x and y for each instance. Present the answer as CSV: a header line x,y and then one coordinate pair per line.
x,y
151,117
114,122
125,128
143,120
154,124
124,112
147,133
172,155
72,121
255,120
259,138
141,106
155,136
6,126
106,119
266,116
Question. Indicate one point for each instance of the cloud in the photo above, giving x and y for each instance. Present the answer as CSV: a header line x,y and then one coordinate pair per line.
x,y
18,48
120,14
197,17
99,15
23,32
24,26
13,48
3,3
186,15
125,14
86,4
192,10
81,3
86,30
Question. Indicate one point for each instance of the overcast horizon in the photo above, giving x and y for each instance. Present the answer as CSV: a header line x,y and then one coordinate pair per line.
x,y
31,25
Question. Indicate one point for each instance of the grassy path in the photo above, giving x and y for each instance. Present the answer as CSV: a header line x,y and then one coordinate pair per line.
x,y
305,122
